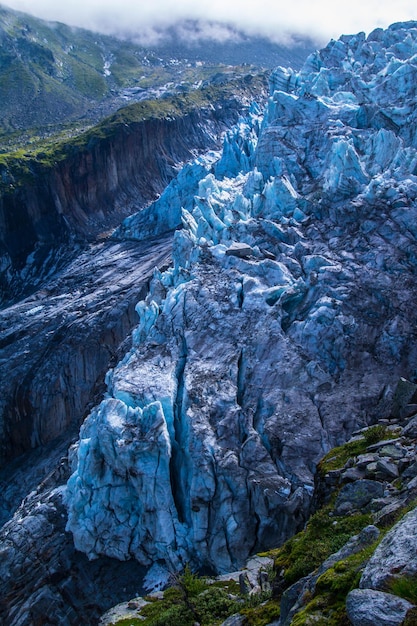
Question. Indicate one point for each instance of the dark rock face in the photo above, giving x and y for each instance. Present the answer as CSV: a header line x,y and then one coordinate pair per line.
x,y
63,586
58,345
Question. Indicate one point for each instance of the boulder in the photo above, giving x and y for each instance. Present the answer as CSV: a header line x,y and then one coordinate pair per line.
x,y
352,474
367,607
405,393
410,430
386,470
395,556
394,451
241,250
357,495
387,513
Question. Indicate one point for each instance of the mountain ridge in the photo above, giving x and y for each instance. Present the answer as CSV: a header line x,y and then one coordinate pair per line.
x,y
52,74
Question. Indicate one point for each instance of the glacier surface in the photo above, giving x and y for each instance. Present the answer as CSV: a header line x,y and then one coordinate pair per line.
x,y
284,323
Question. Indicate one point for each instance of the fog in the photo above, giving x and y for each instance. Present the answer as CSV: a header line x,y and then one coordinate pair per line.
x,y
278,20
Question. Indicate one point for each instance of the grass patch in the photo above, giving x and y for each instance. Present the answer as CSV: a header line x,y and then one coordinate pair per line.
x,y
328,603
405,587
337,457
191,599
322,536
195,599
261,615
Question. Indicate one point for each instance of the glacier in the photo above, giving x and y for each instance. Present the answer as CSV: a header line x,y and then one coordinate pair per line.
x,y
283,324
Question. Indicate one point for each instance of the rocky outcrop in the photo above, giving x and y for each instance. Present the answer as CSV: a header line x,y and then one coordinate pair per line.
x,y
395,556
246,369
95,181
44,580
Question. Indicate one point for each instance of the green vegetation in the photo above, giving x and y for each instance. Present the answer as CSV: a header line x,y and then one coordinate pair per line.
x,y
322,536
263,613
337,457
54,74
405,587
328,604
195,599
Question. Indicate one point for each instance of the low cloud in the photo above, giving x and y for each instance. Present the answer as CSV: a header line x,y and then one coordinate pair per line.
x,y
275,19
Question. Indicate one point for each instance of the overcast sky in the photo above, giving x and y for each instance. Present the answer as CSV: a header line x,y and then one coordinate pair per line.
x,y
322,19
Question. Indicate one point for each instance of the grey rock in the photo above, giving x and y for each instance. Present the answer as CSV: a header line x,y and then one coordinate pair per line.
x,y
333,477
244,584
394,556
367,607
241,250
371,470
395,452
386,470
352,474
365,459
412,484
410,430
42,577
381,444
387,513
410,472
357,495
291,601
404,395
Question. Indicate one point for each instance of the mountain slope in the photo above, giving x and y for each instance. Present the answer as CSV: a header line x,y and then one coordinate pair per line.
x,y
51,74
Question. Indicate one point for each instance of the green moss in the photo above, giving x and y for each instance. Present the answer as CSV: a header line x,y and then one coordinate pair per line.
x,y
322,536
337,457
328,603
320,613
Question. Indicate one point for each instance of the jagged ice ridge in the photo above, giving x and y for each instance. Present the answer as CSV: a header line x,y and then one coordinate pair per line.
x,y
284,323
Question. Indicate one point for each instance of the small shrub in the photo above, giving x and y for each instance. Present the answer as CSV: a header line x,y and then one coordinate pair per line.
x,y
375,434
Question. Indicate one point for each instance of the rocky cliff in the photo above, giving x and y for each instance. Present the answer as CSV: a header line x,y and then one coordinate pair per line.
x,y
82,188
